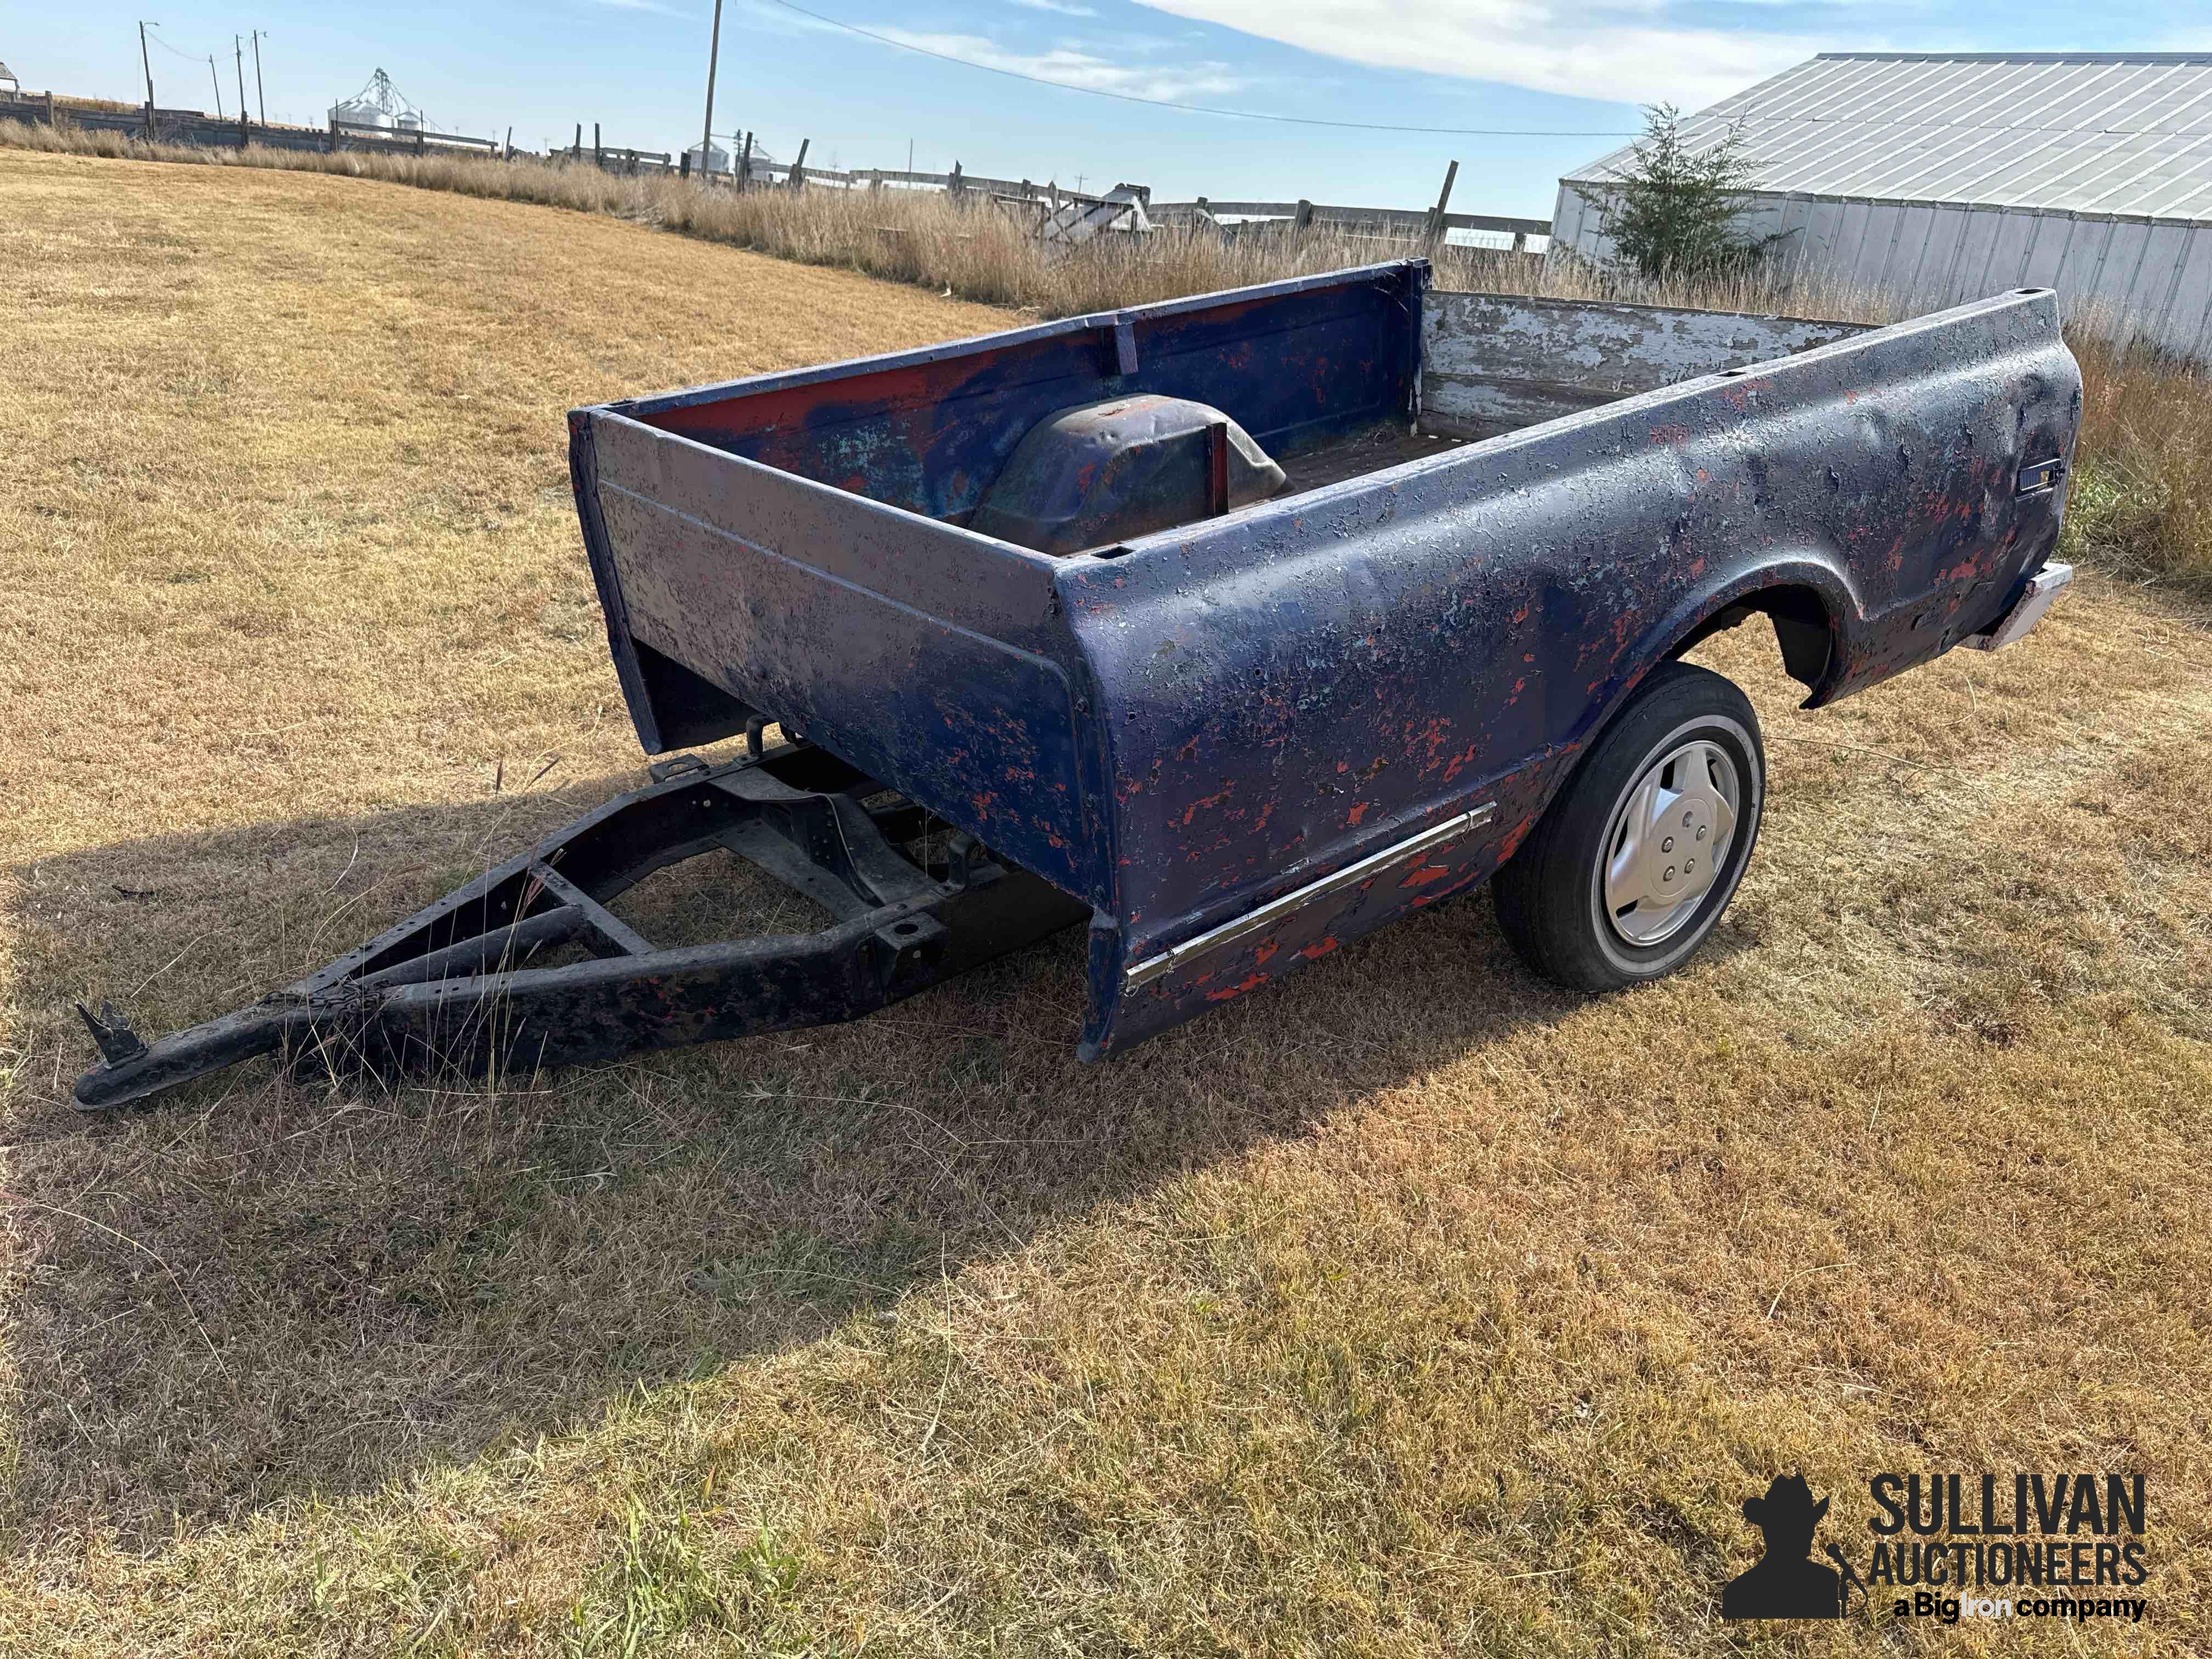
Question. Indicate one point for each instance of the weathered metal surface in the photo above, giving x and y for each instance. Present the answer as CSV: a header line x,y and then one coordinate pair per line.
x,y
1293,362
2043,590
1127,466
1497,362
1185,726
914,650
1286,689
450,990
783,545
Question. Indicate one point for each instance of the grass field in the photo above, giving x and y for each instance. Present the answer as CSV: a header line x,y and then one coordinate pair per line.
x,y
1413,1307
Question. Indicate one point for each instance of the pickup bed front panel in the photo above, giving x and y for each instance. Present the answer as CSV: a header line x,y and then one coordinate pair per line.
x,y
886,639
1294,363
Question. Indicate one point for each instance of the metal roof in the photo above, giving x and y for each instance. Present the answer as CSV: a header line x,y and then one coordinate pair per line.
x,y
2083,132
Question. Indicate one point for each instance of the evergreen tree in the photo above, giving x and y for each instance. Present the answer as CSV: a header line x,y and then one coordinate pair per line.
x,y
1673,211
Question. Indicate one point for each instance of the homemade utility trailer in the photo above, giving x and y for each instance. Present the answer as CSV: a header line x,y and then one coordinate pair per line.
x,y
1234,627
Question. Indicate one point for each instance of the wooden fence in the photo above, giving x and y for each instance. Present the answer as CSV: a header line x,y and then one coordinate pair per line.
x,y
746,170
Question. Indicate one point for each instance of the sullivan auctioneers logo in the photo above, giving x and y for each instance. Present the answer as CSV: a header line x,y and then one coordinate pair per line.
x,y
2039,1547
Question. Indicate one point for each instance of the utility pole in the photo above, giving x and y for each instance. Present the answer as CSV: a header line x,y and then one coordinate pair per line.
x,y
217,81
238,51
713,55
147,62
259,97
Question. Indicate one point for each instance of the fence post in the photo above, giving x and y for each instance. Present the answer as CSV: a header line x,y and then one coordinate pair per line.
x,y
421,141
50,109
332,146
953,187
576,150
599,154
799,168
245,131
684,171
510,143
746,164
1435,226
1303,219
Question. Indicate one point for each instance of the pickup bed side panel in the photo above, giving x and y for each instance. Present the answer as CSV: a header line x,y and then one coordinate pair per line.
x,y
1291,689
1493,363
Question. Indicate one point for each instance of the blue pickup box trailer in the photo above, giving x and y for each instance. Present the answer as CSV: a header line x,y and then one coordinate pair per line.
x,y
1231,628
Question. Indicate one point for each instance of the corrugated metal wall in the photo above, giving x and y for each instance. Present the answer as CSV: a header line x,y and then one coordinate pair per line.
x,y
2134,277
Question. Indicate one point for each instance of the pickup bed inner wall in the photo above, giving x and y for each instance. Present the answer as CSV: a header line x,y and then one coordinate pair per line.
x,y
928,431
1493,363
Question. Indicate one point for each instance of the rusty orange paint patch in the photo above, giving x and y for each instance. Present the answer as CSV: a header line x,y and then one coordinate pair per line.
x,y
1250,983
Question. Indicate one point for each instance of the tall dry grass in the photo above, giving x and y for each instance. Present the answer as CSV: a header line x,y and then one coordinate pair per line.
x,y
976,250
2141,508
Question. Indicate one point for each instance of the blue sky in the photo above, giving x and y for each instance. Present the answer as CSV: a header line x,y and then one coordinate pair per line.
x,y
638,67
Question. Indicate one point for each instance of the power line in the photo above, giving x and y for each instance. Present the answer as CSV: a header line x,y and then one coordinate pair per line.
x,y
189,57
1199,109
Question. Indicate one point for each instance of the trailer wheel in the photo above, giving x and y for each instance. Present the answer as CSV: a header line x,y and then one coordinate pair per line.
x,y
1631,866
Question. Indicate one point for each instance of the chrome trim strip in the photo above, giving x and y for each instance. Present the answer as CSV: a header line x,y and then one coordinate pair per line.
x,y
2042,592
1252,922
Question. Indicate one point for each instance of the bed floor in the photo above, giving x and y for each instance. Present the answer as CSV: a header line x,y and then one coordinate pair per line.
x,y
1388,444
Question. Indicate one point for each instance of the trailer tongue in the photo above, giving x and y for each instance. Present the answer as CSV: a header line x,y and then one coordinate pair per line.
x,y
452,988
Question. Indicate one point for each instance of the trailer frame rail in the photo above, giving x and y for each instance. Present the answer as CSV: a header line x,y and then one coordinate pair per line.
x,y
452,988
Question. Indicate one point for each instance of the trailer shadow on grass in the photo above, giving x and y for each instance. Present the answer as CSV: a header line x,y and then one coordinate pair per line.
x,y
254,1291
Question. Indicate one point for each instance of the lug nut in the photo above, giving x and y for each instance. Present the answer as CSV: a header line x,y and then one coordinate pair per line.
x,y
1669,876
1667,845
1701,832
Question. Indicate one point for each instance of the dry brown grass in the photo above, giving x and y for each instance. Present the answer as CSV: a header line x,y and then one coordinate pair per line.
x,y
2142,500
1413,1307
976,251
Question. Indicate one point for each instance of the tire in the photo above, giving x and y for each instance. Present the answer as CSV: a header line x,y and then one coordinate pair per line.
x,y
1680,769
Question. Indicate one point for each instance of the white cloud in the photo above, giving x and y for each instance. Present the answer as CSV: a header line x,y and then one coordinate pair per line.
x,y
1074,67
1526,43
1064,8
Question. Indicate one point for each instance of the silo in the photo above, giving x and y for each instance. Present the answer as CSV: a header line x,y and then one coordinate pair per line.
x,y
359,113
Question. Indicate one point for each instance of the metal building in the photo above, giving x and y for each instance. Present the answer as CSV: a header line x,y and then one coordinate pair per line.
x,y
1941,177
